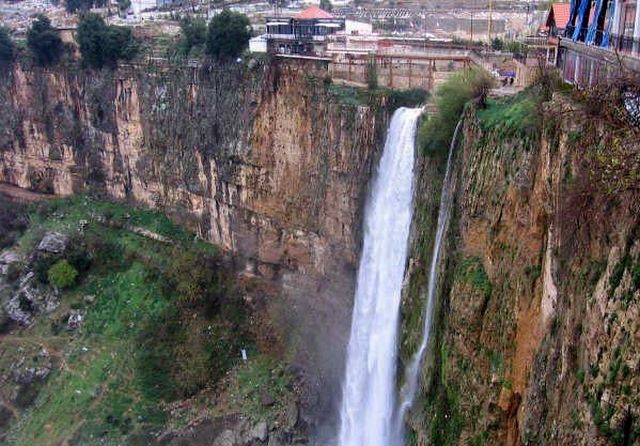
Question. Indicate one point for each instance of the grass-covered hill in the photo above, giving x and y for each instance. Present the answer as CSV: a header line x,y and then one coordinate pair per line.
x,y
119,327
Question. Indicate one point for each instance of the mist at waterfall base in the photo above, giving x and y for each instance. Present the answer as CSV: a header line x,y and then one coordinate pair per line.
x,y
369,415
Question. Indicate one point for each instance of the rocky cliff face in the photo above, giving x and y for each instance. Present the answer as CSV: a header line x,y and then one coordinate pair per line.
x,y
261,160
536,339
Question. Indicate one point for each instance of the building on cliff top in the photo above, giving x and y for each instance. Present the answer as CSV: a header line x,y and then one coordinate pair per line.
x,y
303,34
601,38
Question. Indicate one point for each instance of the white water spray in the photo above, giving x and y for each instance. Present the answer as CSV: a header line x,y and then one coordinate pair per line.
x,y
412,372
368,403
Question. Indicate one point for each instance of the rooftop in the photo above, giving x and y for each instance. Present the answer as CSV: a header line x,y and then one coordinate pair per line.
x,y
313,12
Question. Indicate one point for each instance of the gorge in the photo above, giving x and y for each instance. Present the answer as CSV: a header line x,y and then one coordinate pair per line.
x,y
514,321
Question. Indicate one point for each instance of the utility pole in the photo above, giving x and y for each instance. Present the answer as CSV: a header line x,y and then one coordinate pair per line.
x,y
490,18
473,8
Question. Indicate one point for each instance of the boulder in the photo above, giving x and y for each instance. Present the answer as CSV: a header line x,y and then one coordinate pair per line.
x,y
29,300
265,397
226,438
7,259
259,431
75,319
292,416
53,243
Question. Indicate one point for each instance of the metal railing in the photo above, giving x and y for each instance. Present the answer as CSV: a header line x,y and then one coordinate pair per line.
x,y
624,44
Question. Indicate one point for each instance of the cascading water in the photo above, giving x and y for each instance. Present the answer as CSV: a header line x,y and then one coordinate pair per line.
x,y
368,402
408,392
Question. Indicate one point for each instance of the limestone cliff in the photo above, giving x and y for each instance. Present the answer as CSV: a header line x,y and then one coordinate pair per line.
x,y
536,339
260,159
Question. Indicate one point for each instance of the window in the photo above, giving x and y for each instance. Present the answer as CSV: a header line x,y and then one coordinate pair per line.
x,y
629,19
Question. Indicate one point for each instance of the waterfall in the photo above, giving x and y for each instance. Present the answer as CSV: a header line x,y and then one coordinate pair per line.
x,y
369,388
412,372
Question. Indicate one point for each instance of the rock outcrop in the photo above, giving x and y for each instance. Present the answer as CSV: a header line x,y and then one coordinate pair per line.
x,y
536,338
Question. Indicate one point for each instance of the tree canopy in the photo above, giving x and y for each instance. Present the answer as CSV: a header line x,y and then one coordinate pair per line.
x,y
194,35
7,47
102,45
228,35
326,5
44,42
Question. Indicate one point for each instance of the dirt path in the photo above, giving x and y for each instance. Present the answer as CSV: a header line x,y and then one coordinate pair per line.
x,y
22,195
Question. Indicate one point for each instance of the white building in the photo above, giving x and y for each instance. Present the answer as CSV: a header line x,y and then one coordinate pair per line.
x,y
258,44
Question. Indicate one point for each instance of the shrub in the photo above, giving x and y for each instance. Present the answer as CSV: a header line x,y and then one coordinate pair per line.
x,y
7,48
13,220
326,5
62,274
409,98
228,35
44,42
196,278
102,45
184,349
436,132
474,274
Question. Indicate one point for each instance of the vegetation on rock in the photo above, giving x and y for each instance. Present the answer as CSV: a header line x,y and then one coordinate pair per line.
x,y
103,45
150,320
228,35
437,130
7,48
44,42
62,274
193,36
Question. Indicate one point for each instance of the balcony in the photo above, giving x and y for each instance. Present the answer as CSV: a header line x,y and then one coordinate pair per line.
x,y
626,45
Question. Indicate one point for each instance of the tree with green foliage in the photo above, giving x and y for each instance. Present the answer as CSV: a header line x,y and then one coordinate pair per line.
x,y
450,98
102,45
62,274
194,36
497,44
326,5
44,42
228,35
124,5
7,48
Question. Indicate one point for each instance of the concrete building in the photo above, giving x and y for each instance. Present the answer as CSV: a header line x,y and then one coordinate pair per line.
x,y
303,34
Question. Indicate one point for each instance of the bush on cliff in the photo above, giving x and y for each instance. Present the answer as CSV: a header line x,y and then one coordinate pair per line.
x,y
194,36
436,132
44,42
13,221
228,35
62,274
7,48
102,45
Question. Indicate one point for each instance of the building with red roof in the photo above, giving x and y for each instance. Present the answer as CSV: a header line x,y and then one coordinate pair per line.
x,y
557,18
313,12
305,33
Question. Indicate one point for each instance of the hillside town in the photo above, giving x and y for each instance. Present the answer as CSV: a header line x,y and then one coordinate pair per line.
x,y
422,42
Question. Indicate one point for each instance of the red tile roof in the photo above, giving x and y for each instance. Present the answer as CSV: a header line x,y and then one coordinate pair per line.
x,y
561,12
313,12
